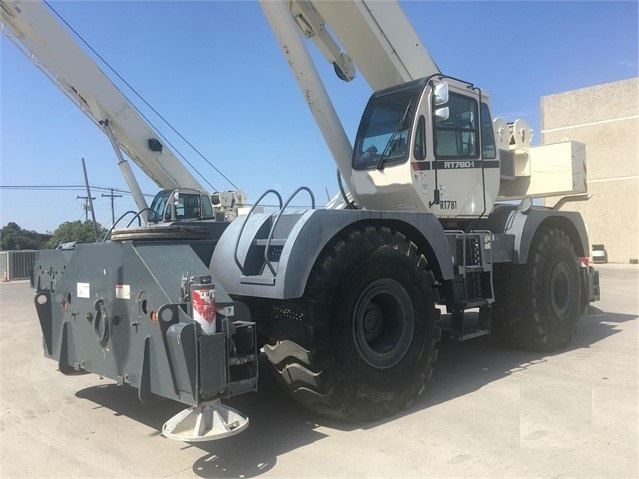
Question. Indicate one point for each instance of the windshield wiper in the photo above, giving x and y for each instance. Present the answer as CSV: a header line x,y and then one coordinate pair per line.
x,y
386,151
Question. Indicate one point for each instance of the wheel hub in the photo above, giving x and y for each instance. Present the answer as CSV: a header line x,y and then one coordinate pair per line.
x,y
373,322
383,323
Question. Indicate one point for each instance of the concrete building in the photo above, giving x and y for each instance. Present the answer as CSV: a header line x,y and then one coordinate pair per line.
x,y
605,118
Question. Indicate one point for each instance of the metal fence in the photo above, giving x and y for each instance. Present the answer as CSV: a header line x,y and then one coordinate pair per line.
x,y
17,264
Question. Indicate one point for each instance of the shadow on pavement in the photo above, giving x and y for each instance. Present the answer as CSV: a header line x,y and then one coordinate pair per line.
x,y
279,425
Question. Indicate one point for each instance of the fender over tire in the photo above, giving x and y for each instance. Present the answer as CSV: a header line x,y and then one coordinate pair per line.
x,y
360,343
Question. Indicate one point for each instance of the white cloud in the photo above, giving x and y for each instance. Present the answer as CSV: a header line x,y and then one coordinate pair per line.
x,y
628,64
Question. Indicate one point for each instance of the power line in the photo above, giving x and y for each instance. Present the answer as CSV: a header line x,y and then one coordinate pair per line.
x,y
66,188
152,109
41,187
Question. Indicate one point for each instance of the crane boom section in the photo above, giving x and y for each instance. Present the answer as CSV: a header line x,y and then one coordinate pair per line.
x,y
376,37
53,50
379,39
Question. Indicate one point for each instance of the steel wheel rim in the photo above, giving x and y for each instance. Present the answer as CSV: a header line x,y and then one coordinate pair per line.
x,y
383,323
560,290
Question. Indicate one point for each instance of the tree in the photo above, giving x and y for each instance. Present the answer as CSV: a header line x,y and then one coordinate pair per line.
x,y
12,237
75,231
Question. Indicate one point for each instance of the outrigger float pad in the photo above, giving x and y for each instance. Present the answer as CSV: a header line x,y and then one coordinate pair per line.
x,y
207,422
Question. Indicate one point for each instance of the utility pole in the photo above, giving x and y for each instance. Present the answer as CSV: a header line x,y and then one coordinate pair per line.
x,y
86,206
90,199
112,196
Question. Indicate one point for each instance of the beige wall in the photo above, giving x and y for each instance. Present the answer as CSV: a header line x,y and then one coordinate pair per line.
x,y
605,118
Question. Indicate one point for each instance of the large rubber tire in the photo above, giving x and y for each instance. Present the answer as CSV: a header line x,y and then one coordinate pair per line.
x,y
538,304
360,344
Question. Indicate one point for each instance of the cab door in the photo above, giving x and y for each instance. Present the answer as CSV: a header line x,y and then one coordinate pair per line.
x,y
458,161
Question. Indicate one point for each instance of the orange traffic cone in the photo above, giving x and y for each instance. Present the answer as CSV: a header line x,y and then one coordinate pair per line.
x,y
5,278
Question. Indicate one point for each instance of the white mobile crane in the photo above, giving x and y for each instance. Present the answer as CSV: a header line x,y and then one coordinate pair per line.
x,y
52,49
342,301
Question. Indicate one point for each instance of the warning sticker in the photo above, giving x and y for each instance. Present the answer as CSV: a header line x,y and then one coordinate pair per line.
x,y
123,291
84,290
203,305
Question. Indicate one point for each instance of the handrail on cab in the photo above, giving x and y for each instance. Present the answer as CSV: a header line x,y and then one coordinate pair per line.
x,y
277,219
239,236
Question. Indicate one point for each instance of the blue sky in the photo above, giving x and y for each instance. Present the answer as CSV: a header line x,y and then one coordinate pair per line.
x,y
214,70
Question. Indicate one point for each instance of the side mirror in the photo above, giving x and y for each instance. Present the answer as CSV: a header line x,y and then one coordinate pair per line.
x,y
442,114
440,93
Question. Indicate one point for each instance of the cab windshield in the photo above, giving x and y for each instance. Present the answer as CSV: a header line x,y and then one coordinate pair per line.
x,y
384,132
158,205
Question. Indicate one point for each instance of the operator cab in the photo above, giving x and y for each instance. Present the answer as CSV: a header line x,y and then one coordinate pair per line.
x,y
180,204
427,146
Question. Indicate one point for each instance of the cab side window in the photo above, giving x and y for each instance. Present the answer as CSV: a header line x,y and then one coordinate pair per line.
x,y
489,150
207,209
419,150
191,207
458,135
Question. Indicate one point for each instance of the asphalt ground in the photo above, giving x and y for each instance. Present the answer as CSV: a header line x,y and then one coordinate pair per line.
x,y
488,411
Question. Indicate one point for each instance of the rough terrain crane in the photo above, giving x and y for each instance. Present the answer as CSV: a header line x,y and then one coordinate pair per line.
x,y
52,49
345,302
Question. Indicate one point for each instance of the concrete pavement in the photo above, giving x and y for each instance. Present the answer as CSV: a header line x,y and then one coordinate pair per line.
x,y
488,411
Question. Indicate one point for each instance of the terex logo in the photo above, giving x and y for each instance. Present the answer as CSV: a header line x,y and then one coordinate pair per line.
x,y
459,164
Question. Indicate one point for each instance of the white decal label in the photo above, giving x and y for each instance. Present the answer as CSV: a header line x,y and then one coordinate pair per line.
x,y
229,311
123,291
84,290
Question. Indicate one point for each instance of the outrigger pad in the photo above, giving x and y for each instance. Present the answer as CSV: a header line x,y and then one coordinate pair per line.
x,y
206,422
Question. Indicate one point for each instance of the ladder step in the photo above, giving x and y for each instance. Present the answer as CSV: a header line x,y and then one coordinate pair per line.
x,y
470,269
473,334
267,281
479,302
463,335
467,325
274,242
